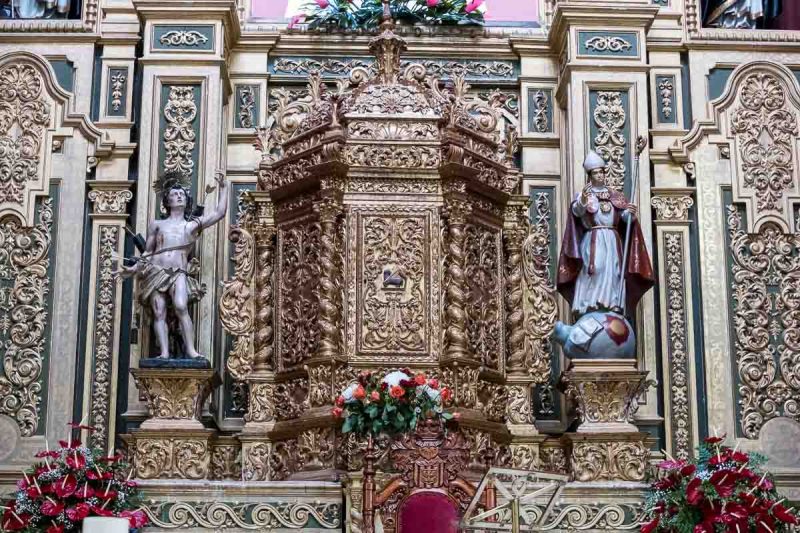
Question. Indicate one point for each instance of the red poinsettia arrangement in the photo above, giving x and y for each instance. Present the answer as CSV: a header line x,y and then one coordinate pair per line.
x,y
71,483
392,404
723,490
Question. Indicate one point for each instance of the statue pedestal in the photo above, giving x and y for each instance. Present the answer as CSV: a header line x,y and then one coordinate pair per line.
x,y
173,443
606,446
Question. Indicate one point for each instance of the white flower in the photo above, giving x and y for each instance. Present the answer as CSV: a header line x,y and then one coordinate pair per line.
x,y
393,379
347,393
433,394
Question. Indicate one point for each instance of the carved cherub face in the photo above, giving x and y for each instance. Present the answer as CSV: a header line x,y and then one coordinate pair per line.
x,y
597,177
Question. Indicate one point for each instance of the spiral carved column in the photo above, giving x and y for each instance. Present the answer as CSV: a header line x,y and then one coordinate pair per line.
x,y
457,209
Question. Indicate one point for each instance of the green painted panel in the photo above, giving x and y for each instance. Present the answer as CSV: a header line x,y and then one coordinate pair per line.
x,y
717,81
540,110
608,44
65,73
248,106
179,135
117,98
665,100
610,132
184,37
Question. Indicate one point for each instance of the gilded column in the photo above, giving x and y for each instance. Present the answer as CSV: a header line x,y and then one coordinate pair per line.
x,y
671,208
109,215
457,209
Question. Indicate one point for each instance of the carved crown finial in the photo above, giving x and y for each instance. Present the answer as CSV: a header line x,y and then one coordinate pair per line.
x,y
387,48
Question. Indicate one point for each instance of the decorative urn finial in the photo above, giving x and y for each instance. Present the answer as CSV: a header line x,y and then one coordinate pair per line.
x,y
387,48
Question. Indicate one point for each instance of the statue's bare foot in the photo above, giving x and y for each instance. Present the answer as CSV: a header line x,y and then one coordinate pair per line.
x,y
163,356
195,355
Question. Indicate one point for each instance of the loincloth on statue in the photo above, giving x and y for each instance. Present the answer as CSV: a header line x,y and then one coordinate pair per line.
x,y
155,278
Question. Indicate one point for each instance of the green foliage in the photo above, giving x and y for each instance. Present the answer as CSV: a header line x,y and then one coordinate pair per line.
x,y
390,406
367,14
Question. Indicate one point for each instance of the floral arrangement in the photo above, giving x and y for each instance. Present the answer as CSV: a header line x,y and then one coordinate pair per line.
x,y
392,405
72,483
722,490
367,14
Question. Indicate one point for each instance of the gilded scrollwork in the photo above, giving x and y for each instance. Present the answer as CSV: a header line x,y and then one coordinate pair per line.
x,y
392,156
104,334
617,461
316,449
484,294
180,112
256,461
610,141
222,516
540,111
394,289
519,408
24,314
237,306
766,318
606,401
24,118
765,131
299,249
677,349
172,458
174,394
247,106
331,264
225,462
261,404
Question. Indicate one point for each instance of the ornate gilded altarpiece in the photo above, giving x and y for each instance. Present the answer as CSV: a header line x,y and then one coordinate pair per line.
x,y
386,231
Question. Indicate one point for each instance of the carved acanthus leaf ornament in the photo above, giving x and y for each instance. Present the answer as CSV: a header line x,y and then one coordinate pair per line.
x,y
610,141
766,322
765,135
180,112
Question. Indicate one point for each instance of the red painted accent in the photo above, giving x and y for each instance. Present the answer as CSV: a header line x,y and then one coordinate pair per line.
x,y
428,512
617,330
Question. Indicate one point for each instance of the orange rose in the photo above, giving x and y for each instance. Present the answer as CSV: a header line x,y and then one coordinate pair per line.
x,y
340,401
446,394
420,379
360,393
375,396
397,392
337,412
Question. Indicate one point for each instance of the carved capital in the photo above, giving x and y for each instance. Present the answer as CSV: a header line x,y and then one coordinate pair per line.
x,y
174,396
672,207
109,201
607,398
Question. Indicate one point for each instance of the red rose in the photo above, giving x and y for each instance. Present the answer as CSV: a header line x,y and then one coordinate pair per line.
x,y
360,393
433,383
446,394
375,396
694,494
76,461
340,401
688,470
337,412
651,526
52,508
384,385
397,392
420,379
